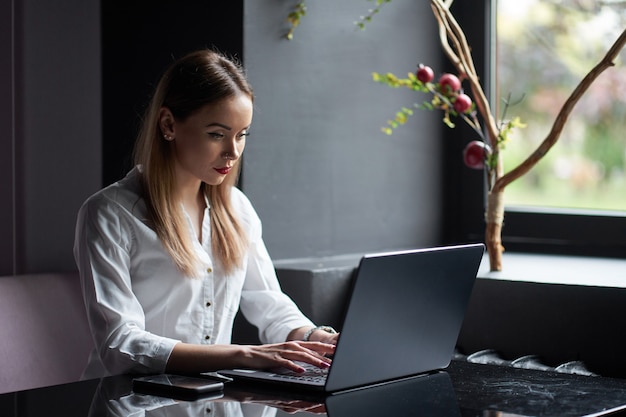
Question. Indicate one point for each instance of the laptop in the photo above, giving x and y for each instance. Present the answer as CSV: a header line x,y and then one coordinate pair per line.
x,y
403,318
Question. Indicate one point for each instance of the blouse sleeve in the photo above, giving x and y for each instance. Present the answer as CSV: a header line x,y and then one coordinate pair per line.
x,y
263,303
102,246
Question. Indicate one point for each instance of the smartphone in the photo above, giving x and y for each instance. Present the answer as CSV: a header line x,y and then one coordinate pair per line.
x,y
177,386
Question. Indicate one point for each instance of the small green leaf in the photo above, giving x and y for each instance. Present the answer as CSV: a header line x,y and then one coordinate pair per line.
x,y
448,122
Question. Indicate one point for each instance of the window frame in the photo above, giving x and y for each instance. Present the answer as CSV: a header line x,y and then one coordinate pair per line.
x,y
525,229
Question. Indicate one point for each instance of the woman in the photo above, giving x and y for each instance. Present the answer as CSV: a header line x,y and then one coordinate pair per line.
x,y
169,254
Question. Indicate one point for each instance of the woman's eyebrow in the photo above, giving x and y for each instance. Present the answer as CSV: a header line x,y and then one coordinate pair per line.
x,y
223,126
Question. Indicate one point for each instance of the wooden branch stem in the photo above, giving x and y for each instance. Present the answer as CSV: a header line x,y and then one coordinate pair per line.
x,y
449,29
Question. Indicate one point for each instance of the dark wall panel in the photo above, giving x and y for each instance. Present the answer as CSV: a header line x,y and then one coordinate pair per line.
x,y
57,127
139,39
7,140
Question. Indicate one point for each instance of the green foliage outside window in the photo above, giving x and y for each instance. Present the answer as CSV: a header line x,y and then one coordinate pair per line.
x,y
543,49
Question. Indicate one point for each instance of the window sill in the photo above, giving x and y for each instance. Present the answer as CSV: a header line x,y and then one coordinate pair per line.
x,y
517,266
558,269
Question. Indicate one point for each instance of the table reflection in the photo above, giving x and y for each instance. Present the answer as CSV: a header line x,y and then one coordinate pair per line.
x,y
427,395
115,398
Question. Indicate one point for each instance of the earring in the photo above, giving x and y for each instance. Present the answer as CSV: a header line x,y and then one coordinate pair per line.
x,y
168,138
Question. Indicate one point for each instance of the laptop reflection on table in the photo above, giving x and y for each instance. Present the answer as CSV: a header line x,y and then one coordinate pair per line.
x,y
422,395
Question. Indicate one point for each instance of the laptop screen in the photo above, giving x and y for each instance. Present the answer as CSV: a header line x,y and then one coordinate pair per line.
x,y
404,314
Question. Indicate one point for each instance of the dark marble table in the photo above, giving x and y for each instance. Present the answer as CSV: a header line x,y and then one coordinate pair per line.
x,y
462,390
491,390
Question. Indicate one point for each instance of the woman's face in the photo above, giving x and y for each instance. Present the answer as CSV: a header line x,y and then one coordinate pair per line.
x,y
209,142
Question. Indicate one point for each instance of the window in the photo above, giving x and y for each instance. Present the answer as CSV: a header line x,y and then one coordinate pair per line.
x,y
539,217
544,49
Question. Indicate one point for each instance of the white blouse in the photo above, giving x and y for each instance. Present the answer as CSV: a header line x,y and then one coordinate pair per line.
x,y
138,303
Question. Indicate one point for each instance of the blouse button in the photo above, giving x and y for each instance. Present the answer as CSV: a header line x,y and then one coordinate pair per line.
x,y
208,304
209,270
207,337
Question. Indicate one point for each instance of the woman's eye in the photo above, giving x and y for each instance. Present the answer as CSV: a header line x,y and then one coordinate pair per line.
x,y
244,134
216,135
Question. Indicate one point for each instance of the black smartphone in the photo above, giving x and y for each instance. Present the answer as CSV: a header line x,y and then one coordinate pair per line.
x,y
177,386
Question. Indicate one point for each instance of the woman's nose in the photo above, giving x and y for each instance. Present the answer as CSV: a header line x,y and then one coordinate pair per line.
x,y
231,151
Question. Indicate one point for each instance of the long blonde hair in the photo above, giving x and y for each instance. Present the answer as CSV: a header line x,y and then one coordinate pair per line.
x,y
197,79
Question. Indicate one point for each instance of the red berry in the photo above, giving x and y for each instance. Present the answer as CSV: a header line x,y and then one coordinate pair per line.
x,y
425,74
449,83
475,153
462,103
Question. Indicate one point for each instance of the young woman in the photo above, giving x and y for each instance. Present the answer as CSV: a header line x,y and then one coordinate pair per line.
x,y
169,254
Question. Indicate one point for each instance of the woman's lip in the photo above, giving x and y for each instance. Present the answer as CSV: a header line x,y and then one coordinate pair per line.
x,y
224,170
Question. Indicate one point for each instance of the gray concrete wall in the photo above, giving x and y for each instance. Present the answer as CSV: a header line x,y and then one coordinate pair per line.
x,y
322,176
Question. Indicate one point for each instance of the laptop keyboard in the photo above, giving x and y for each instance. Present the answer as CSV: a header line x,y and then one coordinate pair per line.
x,y
311,374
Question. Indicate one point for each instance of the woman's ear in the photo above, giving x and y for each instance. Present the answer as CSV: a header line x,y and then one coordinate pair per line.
x,y
166,123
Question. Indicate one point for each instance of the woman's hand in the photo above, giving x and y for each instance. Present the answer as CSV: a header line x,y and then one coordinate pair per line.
x,y
193,358
286,355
